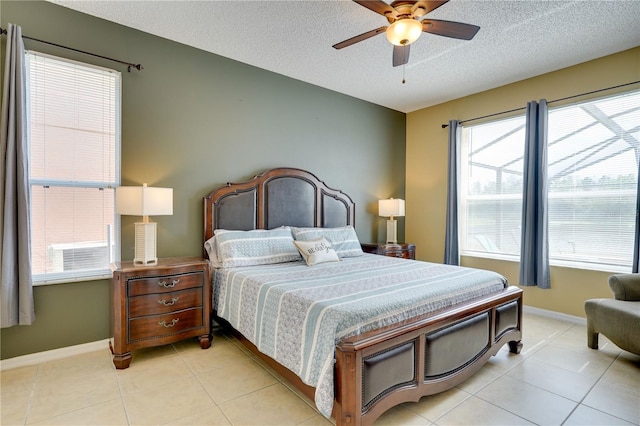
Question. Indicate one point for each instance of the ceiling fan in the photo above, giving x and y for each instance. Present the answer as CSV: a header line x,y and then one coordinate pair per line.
x,y
405,25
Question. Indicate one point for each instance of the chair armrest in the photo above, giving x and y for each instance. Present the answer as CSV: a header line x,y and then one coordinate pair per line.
x,y
625,286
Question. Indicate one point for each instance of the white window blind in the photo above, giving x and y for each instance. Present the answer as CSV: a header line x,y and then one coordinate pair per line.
x,y
74,134
593,154
492,187
593,172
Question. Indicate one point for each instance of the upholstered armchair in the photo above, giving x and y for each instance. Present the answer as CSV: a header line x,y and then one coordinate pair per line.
x,y
619,318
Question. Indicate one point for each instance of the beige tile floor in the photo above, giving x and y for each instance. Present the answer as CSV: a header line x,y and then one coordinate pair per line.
x,y
556,380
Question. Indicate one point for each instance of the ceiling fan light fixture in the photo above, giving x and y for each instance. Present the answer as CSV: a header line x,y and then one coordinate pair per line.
x,y
404,31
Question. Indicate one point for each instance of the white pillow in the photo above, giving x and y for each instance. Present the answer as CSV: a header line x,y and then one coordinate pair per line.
x,y
210,247
343,239
317,251
256,247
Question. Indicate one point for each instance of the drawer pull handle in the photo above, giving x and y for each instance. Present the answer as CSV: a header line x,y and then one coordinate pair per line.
x,y
173,322
168,285
165,303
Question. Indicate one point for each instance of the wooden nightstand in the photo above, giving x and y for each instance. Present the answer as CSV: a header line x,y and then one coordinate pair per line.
x,y
159,304
403,250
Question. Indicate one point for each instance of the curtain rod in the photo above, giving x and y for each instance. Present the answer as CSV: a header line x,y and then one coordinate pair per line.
x,y
129,65
444,126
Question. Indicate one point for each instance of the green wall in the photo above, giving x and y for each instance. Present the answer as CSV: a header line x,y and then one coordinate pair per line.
x,y
193,121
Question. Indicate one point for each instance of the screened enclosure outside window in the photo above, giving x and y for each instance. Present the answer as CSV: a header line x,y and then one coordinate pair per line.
x,y
593,154
491,189
593,172
74,136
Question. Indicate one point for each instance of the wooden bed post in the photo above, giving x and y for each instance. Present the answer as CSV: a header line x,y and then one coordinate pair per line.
x,y
346,366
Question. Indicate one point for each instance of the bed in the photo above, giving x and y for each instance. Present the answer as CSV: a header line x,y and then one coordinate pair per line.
x,y
417,347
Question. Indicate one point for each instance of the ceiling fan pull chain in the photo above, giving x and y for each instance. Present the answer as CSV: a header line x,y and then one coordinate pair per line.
x,y
404,66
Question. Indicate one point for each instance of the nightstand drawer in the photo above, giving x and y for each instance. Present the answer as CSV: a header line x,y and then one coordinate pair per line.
x,y
164,283
400,250
162,303
405,254
156,326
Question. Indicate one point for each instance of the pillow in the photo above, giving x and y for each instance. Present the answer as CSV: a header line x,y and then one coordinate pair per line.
x,y
210,247
317,251
256,247
343,239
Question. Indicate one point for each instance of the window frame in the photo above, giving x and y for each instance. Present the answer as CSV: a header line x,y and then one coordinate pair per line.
x,y
586,264
113,239
463,198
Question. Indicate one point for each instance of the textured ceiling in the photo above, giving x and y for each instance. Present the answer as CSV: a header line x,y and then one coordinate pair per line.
x,y
517,40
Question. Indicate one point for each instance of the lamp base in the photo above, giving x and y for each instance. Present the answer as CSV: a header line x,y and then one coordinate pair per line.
x,y
392,231
145,239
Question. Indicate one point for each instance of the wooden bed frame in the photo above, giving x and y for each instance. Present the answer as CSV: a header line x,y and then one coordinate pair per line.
x,y
386,367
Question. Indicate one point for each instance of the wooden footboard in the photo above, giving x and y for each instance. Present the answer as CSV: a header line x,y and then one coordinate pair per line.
x,y
376,371
383,368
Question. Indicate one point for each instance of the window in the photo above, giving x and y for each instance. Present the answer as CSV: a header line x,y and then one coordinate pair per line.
x,y
593,173
74,136
492,187
593,154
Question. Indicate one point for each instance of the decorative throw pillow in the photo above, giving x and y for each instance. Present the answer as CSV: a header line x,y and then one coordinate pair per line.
x,y
256,247
317,251
343,239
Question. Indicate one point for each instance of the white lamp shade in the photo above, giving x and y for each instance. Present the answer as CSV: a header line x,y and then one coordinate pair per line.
x,y
144,201
391,207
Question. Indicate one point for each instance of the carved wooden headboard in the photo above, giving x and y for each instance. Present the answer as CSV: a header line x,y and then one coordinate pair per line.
x,y
277,197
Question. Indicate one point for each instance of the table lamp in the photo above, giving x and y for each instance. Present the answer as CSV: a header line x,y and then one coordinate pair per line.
x,y
391,208
144,201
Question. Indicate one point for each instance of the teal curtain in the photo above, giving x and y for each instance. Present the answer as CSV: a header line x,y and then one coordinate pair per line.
x,y
534,249
451,242
636,247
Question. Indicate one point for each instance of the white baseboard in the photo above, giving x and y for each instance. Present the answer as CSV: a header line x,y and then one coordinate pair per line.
x,y
554,315
31,359
38,357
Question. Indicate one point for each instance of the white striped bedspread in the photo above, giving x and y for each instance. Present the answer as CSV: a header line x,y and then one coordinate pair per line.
x,y
296,314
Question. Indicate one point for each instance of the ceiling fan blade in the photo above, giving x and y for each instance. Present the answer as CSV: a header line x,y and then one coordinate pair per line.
x,y
356,39
400,55
421,8
378,6
450,29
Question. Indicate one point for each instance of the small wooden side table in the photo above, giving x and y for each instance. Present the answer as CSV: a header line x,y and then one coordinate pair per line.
x,y
403,250
159,304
